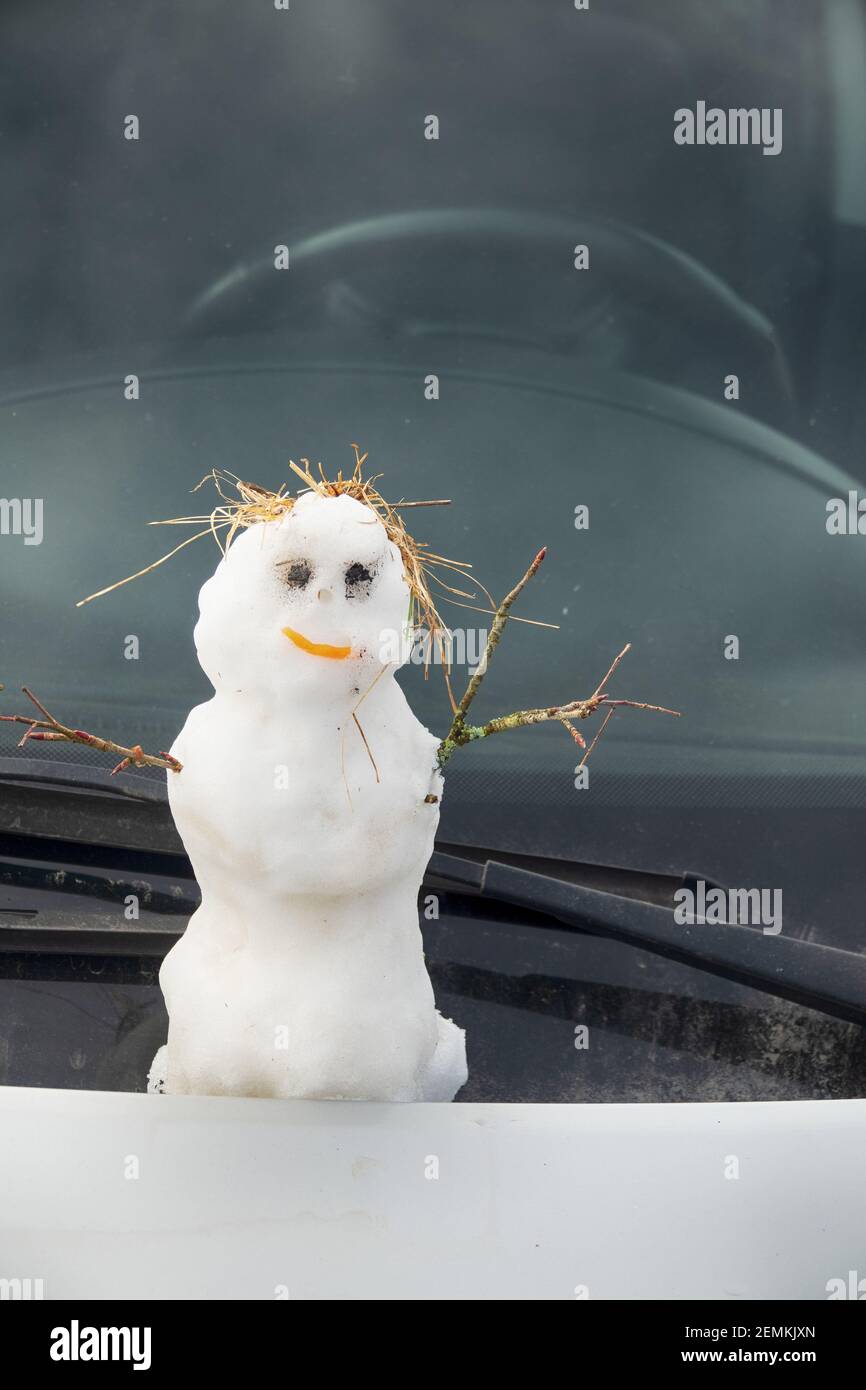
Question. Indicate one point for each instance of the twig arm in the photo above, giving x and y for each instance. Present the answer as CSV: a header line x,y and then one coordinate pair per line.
x,y
576,709
497,627
566,714
50,730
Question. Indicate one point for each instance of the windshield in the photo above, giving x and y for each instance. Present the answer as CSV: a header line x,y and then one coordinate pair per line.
x,y
508,252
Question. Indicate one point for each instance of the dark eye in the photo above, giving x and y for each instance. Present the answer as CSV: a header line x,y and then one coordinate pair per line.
x,y
358,580
297,573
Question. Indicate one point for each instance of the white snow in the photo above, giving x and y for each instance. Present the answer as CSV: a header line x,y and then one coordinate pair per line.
x,y
302,972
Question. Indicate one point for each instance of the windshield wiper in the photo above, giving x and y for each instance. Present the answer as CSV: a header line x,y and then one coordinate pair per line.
x,y
820,977
804,972
72,777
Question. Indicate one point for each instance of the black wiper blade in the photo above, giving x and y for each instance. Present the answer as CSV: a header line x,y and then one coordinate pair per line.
x,y
47,800
74,777
804,972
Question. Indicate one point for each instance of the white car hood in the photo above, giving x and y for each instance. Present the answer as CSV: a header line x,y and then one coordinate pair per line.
x,y
158,1197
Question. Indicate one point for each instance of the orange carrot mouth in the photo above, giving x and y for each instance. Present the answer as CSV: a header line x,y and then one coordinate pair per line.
x,y
316,648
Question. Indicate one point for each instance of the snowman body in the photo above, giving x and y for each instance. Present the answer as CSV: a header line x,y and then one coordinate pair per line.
x,y
308,805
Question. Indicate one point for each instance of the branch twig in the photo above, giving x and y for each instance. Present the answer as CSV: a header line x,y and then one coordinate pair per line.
x,y
500,618
50,729
566,714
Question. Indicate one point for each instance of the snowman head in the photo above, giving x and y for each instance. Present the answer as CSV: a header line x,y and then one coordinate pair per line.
x,y
313,602
314,592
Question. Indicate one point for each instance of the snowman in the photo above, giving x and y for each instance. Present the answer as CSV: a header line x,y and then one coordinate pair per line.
x,y
308,805
307,796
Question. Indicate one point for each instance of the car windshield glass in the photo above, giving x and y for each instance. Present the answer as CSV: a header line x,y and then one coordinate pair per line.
x,y
597,277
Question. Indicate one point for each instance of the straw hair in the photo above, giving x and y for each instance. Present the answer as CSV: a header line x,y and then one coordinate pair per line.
x,y
244,504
